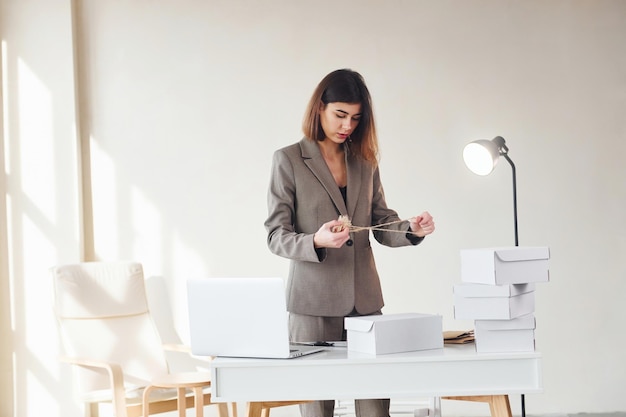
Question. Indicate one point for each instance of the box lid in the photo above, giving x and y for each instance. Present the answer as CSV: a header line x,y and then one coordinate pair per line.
x,y
467,289
512,253
365,323
358,324
517,253
527,321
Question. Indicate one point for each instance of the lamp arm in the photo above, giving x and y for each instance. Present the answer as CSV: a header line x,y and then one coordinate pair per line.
x,y
506,156
504,152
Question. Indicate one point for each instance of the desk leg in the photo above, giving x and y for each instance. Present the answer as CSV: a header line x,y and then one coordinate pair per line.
x,y
498,404
198,401
262,409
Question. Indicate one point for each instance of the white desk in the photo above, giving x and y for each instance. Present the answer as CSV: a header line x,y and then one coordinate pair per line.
x,y
455,370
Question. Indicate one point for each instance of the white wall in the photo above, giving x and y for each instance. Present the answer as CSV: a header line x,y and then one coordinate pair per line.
x,y
186,101
40,192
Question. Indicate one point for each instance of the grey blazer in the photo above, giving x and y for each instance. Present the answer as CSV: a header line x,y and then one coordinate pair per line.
x,y
302,196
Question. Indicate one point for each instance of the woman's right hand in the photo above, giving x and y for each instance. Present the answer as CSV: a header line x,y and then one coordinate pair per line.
x,y
325,237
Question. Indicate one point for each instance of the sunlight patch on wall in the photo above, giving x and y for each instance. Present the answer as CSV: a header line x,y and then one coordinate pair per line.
x,y
36,153
147,225
43,400
5,108
31,206
188,263
39,254
32,222
10,265
105,202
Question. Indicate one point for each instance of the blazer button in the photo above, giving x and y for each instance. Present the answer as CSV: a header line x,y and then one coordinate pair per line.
x,y
349,242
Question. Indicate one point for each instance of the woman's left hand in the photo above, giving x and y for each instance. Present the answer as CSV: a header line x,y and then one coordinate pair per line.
x,y
422,225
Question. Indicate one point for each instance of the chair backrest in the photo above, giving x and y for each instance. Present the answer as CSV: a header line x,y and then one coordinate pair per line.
x,y
103,314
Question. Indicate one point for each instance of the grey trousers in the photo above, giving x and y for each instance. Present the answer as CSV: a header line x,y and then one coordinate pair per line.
x,y
312,329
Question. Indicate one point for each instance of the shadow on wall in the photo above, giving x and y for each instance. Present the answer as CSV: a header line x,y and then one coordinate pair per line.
x,y
178,358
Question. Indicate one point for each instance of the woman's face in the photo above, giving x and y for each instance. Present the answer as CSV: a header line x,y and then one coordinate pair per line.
x,y
339,120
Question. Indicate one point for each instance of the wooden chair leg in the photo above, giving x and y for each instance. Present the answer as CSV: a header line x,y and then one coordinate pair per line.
x,y
146,401
198,401
254,409
182,402
233,410
92,410
223,409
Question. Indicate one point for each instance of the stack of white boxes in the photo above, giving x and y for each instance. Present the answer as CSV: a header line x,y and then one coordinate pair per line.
x,y
498,293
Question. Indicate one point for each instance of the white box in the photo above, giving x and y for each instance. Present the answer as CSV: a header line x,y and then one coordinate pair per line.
x,y
506,265
519,340
392,333
468,289
523,322
493,308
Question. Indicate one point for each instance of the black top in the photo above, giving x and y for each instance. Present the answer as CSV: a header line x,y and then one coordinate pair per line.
x,y
344,193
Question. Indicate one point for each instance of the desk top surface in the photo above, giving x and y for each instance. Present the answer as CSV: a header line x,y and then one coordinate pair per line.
x,y
450,353
452,370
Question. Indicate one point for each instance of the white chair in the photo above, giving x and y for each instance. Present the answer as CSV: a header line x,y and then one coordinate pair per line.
x,y
108,332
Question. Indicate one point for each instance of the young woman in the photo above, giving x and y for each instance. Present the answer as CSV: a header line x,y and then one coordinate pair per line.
x,y
333,172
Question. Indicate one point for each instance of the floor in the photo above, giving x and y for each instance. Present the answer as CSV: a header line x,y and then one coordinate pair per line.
x,y
293,411
618,414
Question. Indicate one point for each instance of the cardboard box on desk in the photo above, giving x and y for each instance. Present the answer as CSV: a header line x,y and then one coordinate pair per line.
x,y
517,335
506,265
492,341
493,308
393,333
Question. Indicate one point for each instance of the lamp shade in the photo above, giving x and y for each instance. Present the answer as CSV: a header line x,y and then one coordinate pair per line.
x,y
481,156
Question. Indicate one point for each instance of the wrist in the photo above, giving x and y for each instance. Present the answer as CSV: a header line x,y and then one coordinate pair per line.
x,y
316,245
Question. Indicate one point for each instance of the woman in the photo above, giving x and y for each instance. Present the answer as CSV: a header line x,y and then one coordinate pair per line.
x,y
333,172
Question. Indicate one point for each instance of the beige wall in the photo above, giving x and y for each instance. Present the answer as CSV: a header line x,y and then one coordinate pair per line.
x,y
182,104
40,192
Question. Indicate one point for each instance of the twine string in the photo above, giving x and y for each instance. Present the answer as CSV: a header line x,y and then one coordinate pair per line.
x,y
377,227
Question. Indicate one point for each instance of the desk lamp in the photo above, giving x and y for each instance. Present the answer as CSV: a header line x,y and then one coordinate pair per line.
x,y
481,157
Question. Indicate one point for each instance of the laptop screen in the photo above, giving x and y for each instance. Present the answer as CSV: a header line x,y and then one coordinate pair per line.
x,y
242,317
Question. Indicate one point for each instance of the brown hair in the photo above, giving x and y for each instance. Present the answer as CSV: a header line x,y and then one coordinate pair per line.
x,y
344,86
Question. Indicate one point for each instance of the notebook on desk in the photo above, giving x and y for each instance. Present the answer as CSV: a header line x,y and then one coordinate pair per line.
x,y
241,317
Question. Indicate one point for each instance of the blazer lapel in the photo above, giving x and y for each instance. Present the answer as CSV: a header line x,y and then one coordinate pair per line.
x,y
313,159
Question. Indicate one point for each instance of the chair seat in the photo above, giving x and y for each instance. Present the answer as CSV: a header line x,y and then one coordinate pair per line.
x,y
183,380
133,395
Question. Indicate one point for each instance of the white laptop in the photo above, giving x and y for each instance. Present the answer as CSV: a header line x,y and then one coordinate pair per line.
x,y
241,317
